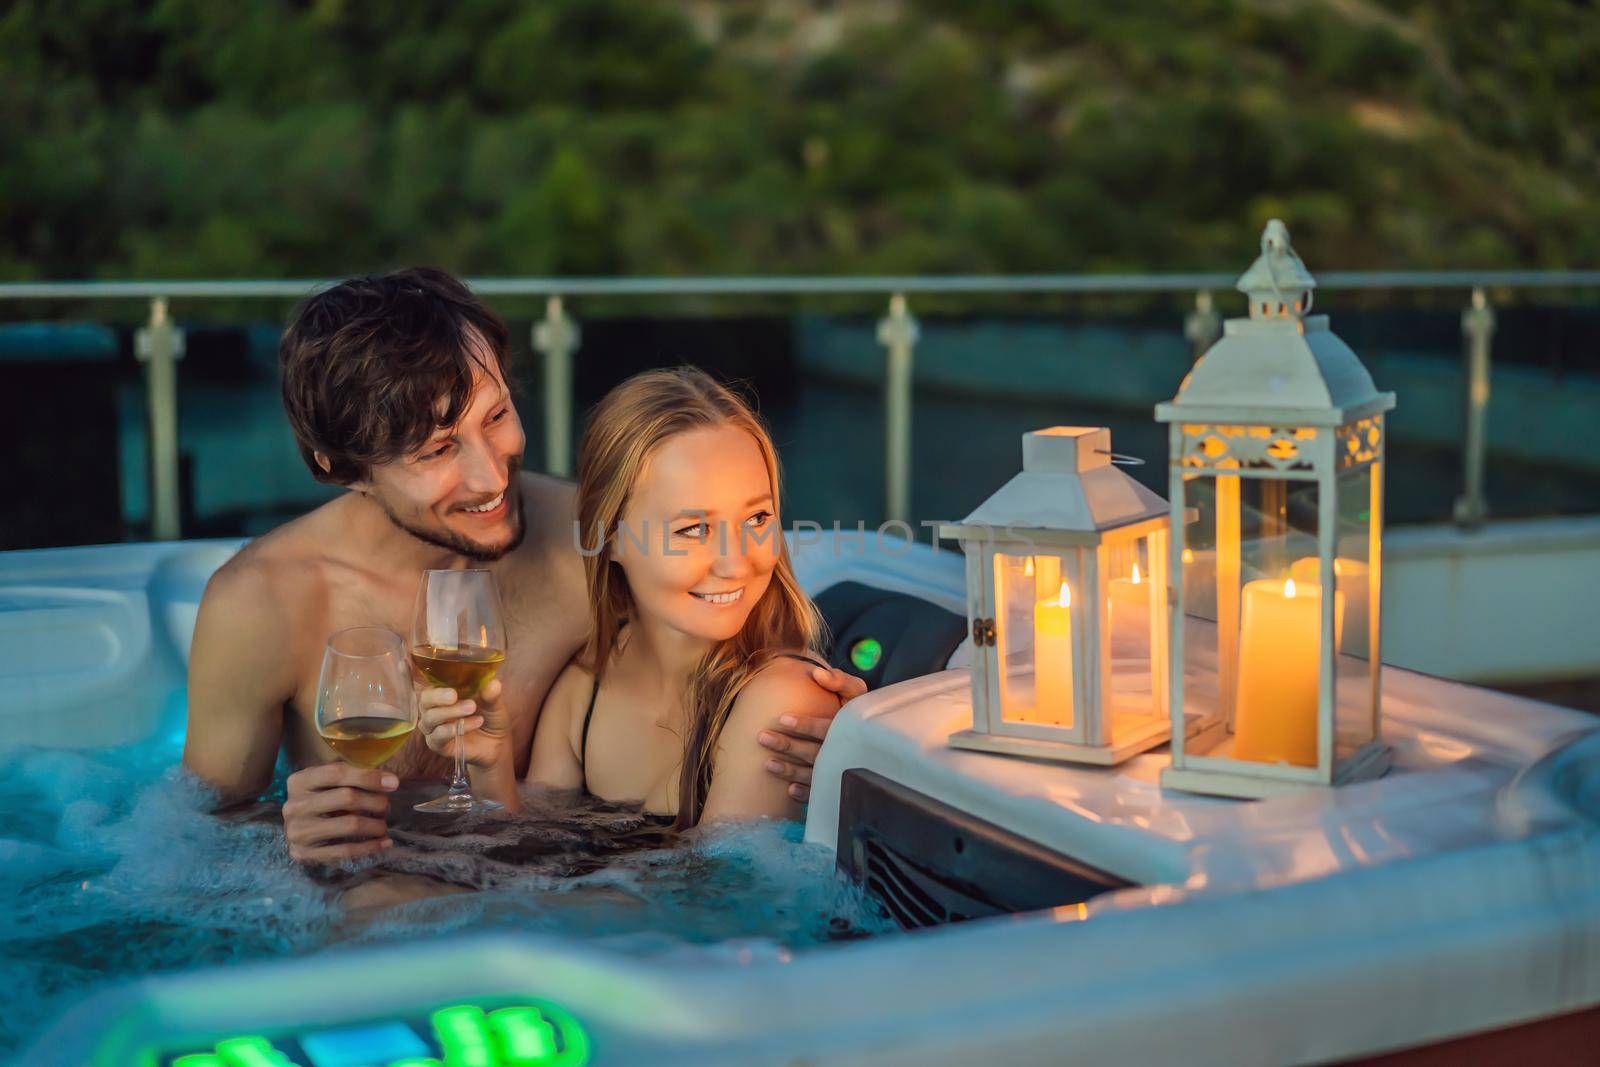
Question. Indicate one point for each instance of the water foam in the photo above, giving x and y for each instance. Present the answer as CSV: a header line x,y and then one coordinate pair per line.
x,y
116,868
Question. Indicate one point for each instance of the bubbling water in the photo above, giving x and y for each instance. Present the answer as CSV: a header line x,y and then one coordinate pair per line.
x,y
115,868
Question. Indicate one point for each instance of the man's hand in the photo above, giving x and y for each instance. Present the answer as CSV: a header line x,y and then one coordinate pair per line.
x,y
799,738
485,731
337,812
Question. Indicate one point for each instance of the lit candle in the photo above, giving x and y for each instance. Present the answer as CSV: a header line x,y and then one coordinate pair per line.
x,y
1052,658
1276,716
1350,581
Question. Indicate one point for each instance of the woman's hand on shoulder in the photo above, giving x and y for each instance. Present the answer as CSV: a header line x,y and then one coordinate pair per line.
x,y
753,777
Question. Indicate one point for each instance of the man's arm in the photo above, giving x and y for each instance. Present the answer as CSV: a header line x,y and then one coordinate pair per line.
x,y
240,677
239,680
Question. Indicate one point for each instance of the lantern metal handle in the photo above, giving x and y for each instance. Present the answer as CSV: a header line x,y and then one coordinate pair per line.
x,y
1120,459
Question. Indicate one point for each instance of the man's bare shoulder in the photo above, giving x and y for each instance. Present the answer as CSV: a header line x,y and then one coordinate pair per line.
x,y
550,510
258,612
280,575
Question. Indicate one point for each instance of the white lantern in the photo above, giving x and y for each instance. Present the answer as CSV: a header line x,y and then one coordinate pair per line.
x,y
1277,450
1066,599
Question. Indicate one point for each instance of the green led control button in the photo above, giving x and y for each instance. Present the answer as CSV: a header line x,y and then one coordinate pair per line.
x,y
463,1033
866,653
525,1038
251,1052
526,1035
533,1034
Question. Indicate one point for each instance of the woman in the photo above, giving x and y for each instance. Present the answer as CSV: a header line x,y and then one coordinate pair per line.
x,y
699,627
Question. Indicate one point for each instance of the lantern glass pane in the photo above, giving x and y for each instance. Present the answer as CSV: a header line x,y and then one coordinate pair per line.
x,y
1356,673
1201,680
1252,641
1131,615
1275,690
1033,638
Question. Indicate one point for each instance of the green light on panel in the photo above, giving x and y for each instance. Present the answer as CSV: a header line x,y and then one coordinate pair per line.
x,y
463,1033
866,653
526,1039
523,1036
251,1052
246,1051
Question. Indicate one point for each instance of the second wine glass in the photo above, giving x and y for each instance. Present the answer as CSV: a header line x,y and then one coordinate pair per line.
x,y
458,641
365,706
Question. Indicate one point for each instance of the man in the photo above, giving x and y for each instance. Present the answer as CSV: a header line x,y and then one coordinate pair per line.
x,y
396,388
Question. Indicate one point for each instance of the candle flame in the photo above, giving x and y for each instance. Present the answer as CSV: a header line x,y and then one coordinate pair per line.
x,y
1188,555
1027,568
1135,574
1066,595
1288,587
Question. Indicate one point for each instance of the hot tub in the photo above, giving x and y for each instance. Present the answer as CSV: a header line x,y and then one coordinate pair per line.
x,y
1461,895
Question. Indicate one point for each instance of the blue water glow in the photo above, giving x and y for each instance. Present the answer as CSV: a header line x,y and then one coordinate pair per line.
x,y
115,869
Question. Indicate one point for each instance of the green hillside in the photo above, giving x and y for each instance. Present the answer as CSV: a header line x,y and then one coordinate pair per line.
x,y
194,138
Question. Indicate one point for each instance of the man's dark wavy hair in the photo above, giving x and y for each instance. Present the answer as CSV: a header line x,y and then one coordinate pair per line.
x,y
366,363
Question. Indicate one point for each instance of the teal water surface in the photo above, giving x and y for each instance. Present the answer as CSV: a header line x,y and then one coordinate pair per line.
x,y
115,868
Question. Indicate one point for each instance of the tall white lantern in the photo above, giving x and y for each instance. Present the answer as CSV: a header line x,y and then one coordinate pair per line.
x,y
1066,599
1277,441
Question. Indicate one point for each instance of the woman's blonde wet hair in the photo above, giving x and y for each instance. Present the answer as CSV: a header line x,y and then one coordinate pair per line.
x,y
625,428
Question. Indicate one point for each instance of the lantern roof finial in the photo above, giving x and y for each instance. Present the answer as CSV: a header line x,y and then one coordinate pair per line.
x,y
1281,366
1277,283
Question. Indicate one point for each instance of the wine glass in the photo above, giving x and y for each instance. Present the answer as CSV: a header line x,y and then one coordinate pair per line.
x,y
458,641
365,704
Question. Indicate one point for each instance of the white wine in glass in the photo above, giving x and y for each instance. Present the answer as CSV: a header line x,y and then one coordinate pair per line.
x,y
365,705
458,641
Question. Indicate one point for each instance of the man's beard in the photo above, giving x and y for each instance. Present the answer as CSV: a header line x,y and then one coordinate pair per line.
x,y
451,541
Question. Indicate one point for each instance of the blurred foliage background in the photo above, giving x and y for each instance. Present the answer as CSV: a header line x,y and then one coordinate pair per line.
x,y
189,138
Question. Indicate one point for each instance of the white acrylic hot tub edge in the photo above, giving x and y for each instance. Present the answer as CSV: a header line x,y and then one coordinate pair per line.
x,y
94,639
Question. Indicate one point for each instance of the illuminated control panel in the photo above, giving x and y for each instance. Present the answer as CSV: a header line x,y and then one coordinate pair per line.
x,y
532,1034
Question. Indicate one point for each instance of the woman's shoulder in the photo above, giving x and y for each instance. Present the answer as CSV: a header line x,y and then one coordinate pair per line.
x,y
572,685
562,713
568,695
786,676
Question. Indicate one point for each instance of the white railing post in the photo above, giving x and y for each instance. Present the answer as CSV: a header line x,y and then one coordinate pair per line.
x,y
557,336
1203,326
1477,327
897,332
159,345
